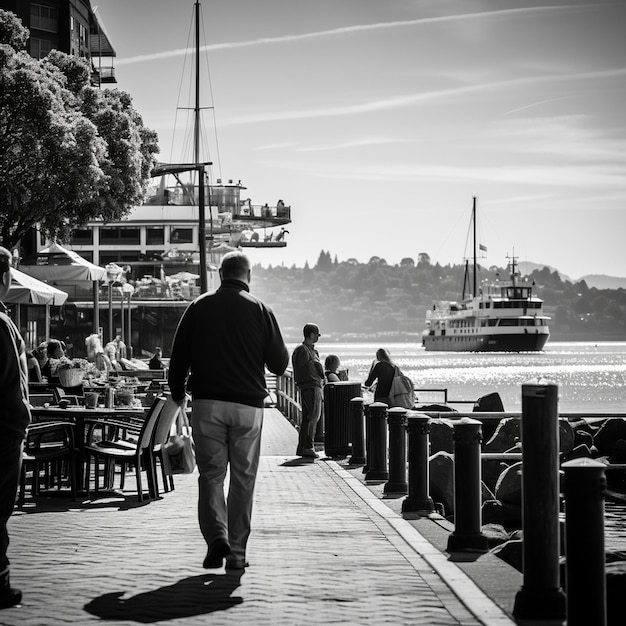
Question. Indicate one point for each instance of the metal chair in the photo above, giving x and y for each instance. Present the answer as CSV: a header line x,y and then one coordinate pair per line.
x,y
160,437
49,448
125,453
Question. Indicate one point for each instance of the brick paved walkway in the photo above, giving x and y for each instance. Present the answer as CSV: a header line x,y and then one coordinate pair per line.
x,y
324,549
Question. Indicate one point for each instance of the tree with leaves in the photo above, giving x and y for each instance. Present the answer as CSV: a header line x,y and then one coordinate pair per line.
x,y
69,153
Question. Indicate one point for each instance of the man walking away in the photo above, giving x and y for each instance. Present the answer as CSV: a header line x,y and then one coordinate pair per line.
x,y
308,373
14,419
223,342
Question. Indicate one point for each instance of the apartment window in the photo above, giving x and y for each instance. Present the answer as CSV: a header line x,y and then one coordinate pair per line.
x,y
181,235
119,235
155,235
39,48
44,18
117,256
82,236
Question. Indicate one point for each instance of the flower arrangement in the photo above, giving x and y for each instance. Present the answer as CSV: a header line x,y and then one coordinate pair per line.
x,y
65,363
71,372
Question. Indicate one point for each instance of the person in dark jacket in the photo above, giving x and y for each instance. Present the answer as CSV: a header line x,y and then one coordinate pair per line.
x,y
308,372
222,344
382,372
14,419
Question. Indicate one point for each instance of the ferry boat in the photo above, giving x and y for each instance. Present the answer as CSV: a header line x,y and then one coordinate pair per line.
x,y
500,316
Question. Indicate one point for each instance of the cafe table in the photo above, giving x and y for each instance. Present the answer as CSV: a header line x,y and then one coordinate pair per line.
x,y
79,415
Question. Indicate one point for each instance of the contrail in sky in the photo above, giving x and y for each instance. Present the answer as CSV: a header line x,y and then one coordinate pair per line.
x,y
346,30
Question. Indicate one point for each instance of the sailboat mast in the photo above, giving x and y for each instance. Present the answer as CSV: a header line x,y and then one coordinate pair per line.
x,y
199,167
474,223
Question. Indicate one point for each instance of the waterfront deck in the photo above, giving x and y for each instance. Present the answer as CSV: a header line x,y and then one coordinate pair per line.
x,y
324,549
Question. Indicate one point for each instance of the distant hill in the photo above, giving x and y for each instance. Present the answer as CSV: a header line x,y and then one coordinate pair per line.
x,y
601,281
526,267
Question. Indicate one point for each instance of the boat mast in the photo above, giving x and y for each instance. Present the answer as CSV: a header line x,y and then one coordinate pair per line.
x,y
474,223
200,168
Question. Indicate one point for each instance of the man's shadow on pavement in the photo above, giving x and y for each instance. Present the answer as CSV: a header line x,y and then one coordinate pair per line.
x,y
196,595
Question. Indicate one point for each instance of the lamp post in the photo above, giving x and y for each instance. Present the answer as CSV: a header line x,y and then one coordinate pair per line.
x,y
127,292
114,272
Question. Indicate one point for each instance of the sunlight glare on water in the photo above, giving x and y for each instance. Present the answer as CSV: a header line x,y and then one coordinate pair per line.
x,y
590,376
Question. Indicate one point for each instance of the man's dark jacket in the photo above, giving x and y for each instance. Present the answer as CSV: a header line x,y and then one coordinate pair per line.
x,y
225,339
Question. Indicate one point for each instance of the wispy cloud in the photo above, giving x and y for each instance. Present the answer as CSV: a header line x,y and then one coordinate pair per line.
x,y
356,143
417,98
347,30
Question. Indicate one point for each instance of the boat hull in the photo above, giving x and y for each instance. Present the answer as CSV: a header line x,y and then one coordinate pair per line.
x,y
511,342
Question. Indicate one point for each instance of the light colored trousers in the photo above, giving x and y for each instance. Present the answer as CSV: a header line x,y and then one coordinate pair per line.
x,y
226,433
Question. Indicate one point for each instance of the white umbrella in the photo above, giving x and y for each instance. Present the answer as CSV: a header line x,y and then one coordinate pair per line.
x,y
25,289
58,263
184,276
63,266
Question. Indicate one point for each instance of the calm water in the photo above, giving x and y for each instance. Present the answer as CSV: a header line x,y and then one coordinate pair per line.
x,y
591,376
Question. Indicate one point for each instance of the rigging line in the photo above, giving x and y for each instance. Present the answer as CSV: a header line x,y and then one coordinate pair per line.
x,y
180,89
212,99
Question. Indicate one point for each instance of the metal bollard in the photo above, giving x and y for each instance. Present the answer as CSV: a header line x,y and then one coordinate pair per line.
x,y
541,596
377,449
358,432
584,487
368,436
467,536
396,419
418,501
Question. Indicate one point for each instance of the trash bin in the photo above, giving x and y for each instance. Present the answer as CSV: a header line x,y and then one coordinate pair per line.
x,y
337,435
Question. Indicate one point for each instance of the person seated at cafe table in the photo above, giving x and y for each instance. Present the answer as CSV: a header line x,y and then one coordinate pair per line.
x,y
34,371
54,350
110,351
155,362
95,354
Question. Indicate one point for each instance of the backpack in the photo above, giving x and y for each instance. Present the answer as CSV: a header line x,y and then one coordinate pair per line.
x,y
402,392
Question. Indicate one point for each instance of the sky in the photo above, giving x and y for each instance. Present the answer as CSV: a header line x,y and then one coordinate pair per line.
x,y
379,121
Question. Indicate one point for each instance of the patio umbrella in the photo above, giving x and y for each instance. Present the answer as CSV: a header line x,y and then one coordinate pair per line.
x,y
184,276
56,263
62,266
25,289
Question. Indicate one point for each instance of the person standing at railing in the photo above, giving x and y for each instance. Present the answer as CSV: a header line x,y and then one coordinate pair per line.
x,y
223,342
14,419
382,372
308,372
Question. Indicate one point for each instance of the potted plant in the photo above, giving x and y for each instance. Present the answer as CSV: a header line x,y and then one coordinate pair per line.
x,y
72,371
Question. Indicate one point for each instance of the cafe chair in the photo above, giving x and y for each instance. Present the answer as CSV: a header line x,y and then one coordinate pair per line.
x,y
49,457
115,453
160,437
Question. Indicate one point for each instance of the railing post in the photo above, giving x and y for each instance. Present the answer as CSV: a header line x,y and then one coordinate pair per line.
x,y
358,432
418,500
584,487
467,536
541,596
377,449
396,419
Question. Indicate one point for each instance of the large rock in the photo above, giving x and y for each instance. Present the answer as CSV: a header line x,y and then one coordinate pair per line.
x,y
441,483
566,437
496,534
510,552
509,485
508,433
608,434
491,470
508,515
441,436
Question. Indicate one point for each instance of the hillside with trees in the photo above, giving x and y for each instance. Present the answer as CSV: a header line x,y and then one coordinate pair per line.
x,y
366,301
